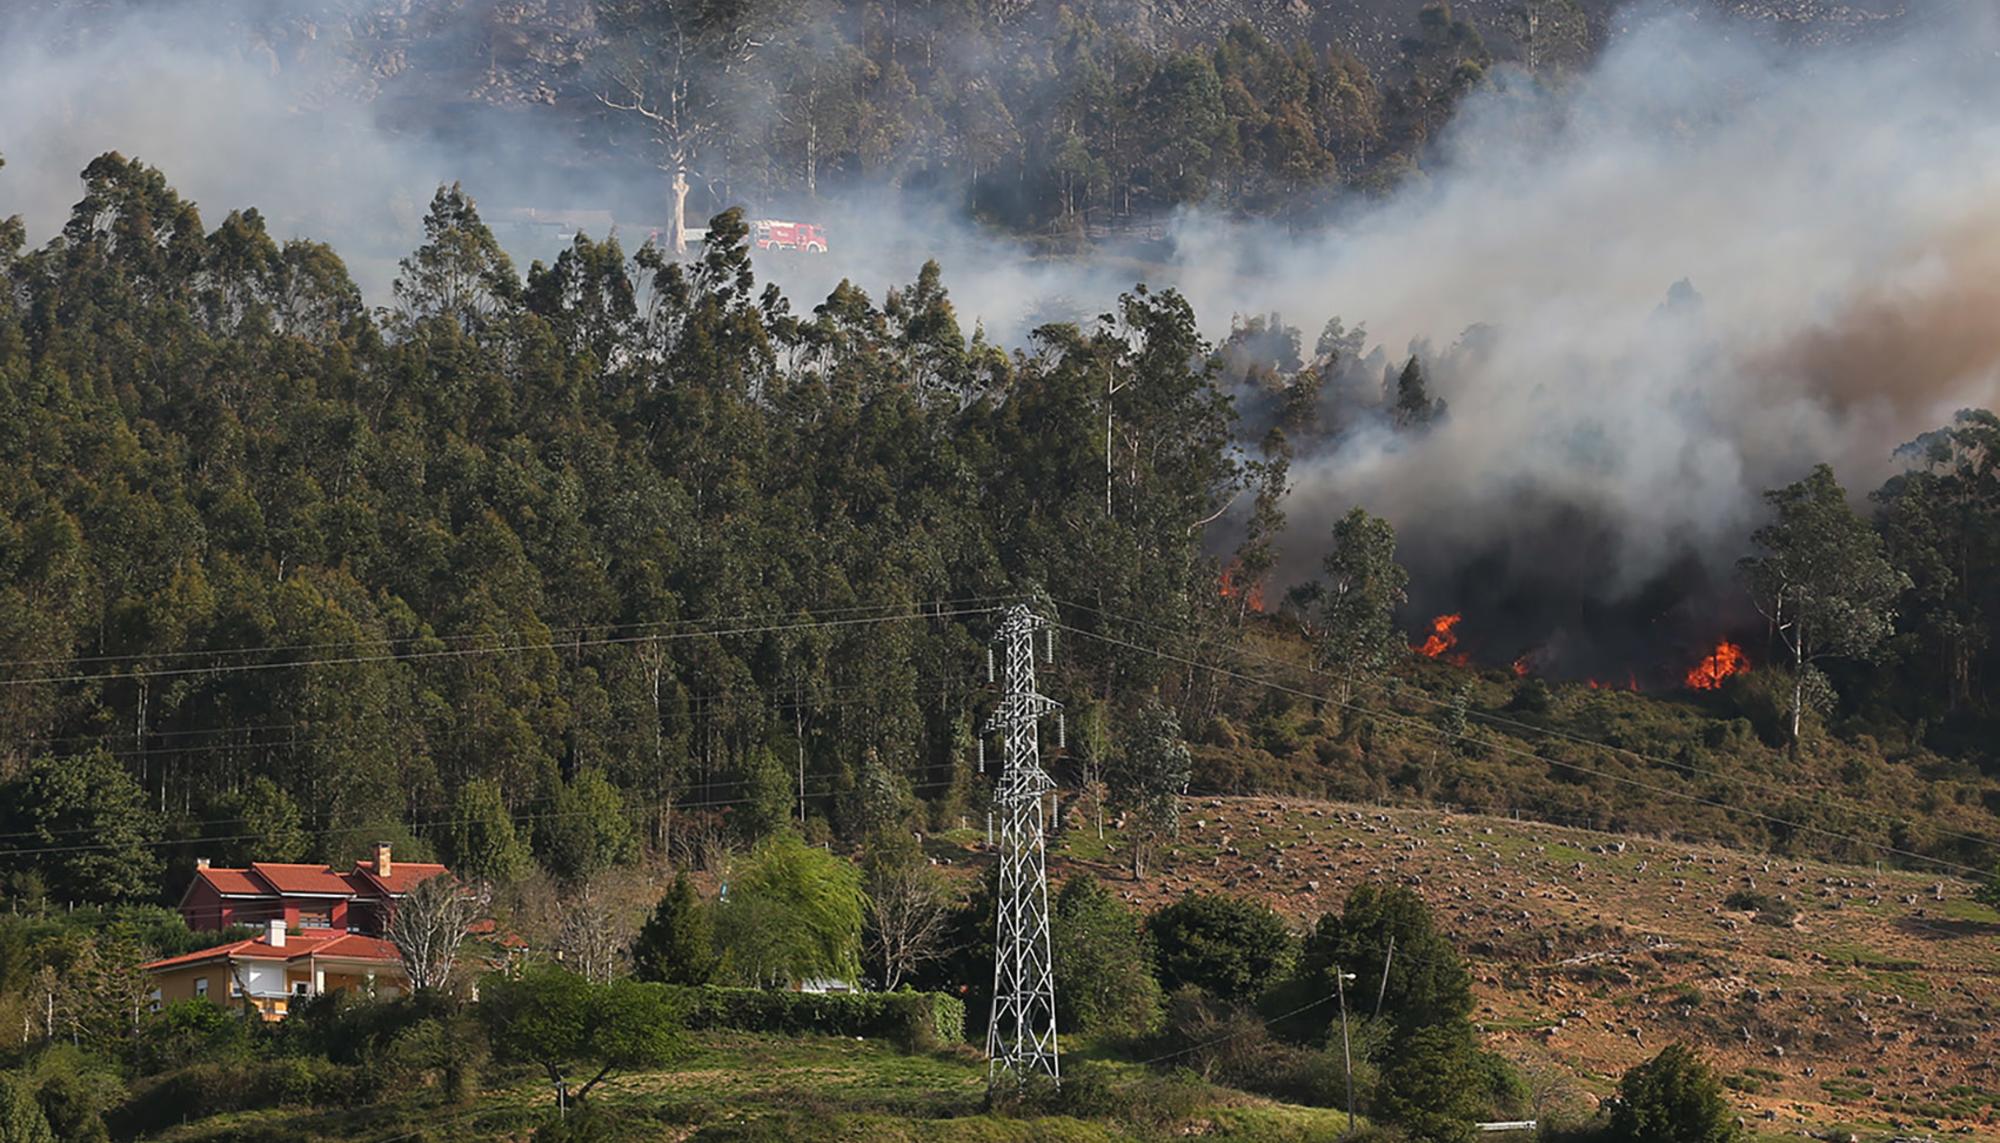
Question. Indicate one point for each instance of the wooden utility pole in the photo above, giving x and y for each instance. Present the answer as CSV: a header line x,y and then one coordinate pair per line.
x,y
1384,989
1340,980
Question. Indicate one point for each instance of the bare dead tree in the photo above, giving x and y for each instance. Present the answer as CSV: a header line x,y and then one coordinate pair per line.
x,y
672,67
591,941
428,925
908,910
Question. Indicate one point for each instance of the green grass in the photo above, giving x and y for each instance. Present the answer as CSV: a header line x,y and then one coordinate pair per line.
x,y
740,1087
1960,909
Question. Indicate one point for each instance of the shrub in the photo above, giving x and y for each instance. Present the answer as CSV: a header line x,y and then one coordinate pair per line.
x,y
1152,1102
1671,1098
1435,1084
1104,978
1229,1044
914,1021
1769,909
202,1090
1230,947
187,1031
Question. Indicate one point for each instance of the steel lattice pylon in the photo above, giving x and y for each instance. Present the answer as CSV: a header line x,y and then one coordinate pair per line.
x,y
1021,1039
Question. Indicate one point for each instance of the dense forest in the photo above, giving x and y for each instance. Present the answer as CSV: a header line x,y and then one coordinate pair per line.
x,y
628,554
1063,121
1047,122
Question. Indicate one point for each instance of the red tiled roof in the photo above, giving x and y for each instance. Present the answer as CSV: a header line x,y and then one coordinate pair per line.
x,y
234,882
354,946
297,945
403,875
301,878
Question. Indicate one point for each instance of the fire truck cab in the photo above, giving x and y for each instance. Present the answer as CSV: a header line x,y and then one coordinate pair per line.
x,y
770,234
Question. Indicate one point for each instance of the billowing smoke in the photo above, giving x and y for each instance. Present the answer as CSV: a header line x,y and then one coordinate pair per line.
x,y
1832,219
1647,294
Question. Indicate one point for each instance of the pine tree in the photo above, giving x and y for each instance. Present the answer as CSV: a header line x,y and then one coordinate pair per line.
x,y
677,943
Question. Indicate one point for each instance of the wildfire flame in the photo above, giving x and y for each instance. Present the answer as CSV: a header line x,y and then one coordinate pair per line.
x,y
1727,659
1230,589
1443,637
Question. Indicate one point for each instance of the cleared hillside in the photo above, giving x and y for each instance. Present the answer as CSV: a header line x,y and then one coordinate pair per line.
x,y
1875,1009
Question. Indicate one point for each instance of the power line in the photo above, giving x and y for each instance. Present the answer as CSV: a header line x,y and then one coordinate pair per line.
x,y
390,641
697,704
546,645
441,823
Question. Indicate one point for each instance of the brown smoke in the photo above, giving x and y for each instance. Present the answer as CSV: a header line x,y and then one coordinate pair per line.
x,y
1929,331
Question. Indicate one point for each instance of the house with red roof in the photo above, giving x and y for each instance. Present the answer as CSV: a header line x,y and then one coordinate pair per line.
x,y
271,971
306,898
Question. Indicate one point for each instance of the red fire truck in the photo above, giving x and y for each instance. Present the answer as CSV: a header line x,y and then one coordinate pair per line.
x,y
770,234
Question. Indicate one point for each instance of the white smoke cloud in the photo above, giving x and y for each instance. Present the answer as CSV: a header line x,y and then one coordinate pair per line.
x,y
1838,212
1836,209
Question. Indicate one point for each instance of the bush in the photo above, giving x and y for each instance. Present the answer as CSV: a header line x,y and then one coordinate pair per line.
x,y
1230,947
187,1031
1769,909
74,1089
1230,1044
1672,1098
1104,976
914,1021
202,1090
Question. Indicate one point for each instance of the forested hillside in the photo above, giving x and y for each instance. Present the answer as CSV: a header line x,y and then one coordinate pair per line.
x,y
634,553
1065,121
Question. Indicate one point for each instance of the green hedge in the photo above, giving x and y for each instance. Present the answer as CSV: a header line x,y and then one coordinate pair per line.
x,y
202,1090
913,1020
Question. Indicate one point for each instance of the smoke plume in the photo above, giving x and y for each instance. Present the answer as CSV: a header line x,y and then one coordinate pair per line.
x,y
1647,292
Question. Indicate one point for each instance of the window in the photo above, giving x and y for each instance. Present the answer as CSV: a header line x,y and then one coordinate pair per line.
x,y
301,988
235,986
319,917
153,1000
201,986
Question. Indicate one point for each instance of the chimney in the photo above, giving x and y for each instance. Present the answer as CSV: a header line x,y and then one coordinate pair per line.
x,y
274,933
383,866
201,863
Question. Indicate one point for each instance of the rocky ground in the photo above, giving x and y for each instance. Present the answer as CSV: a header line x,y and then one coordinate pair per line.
x,y
1874,1010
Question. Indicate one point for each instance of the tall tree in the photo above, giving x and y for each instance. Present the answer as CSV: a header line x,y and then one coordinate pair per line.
x,y
460,272
1432,1086
1357,602
1232,947
1672,1098
1940,522
81,828
674,66
480,841
1151,774
1386,937
1821,580
260,822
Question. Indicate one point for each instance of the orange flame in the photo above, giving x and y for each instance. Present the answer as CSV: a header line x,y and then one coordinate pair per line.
x,y
1443,637
1230,589
1522,667
1727,659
